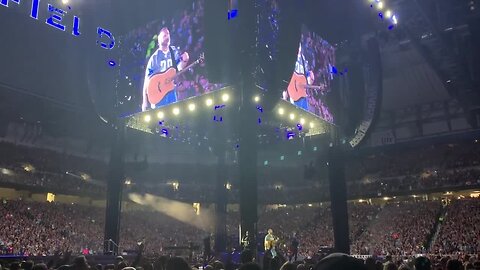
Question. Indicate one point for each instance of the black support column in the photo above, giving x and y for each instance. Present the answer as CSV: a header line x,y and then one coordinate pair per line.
x,y
114,190
221,203
247,120
248,176
338,196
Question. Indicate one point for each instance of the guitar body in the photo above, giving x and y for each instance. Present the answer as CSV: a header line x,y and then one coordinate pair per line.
x,y
296,88
160,85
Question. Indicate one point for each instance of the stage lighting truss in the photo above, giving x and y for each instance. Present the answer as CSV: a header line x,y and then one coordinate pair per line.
x,y
381,8
184,120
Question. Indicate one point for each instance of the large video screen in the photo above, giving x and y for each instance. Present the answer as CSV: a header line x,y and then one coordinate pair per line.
x,y
311,81
162,61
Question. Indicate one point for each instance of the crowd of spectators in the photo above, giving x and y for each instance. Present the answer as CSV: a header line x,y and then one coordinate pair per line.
x,y
399,229
460,230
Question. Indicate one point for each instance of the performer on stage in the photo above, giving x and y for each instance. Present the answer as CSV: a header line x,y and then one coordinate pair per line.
x,y
246,240
270,242
293,250
161,60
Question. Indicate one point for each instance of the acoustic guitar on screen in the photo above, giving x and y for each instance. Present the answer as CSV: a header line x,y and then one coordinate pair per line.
x,y
162,83
297,88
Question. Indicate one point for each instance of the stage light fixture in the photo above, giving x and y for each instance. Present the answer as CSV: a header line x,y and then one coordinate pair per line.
x,y
281,111
380,5
225,97
312,125
147,118
256,99
209,102
191,107
302,121
176,111
388,13
292,116
160,115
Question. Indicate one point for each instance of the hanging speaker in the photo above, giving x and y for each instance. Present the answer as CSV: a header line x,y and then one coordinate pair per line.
x,y
278,71
218,28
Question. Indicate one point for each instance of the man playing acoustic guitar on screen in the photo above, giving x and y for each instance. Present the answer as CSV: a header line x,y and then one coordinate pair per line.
x,y
158,86
302,80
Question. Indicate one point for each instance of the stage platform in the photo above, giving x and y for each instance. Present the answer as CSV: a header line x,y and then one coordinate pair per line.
x,y
200,117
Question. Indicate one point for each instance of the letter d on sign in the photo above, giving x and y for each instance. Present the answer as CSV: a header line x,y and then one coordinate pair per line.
x,y
103,32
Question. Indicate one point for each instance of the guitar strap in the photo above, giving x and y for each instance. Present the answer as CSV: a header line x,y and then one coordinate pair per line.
x,y
172,55
304,67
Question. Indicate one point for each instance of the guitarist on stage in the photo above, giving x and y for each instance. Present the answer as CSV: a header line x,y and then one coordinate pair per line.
x,y
301,67
164,58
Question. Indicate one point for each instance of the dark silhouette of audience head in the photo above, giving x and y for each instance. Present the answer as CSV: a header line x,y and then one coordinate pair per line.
x,y
40,266
340,261
454,265
288,266
250,266
370,263
390,266
246,256
177,263
422,263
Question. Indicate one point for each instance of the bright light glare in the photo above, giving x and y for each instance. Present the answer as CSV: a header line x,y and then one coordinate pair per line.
x,y
160,115
292,116
176,111
394,19
191,107
256,99
388,13
380,5
64,2
225,97
312,125
302,121
281,111
209,102
147,118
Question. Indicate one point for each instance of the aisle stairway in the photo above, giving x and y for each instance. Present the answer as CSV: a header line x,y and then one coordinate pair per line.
x,y
438,226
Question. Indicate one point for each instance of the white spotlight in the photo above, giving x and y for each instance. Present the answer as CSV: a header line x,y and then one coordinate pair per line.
x,y
225,97
302,121
380,5
176,111
281,111
394,19
312,125
256,99
292,116
160,115
388,14
147,118
64,2
209,102
191,107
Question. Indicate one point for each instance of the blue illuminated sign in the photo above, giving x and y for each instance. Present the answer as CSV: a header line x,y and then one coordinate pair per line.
x,y
105,39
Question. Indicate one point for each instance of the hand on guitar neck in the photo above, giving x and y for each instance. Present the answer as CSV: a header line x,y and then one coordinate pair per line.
x,y
297,88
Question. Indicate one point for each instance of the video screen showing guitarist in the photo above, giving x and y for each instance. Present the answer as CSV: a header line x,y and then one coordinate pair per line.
x,y
310,86
302,76
165,58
